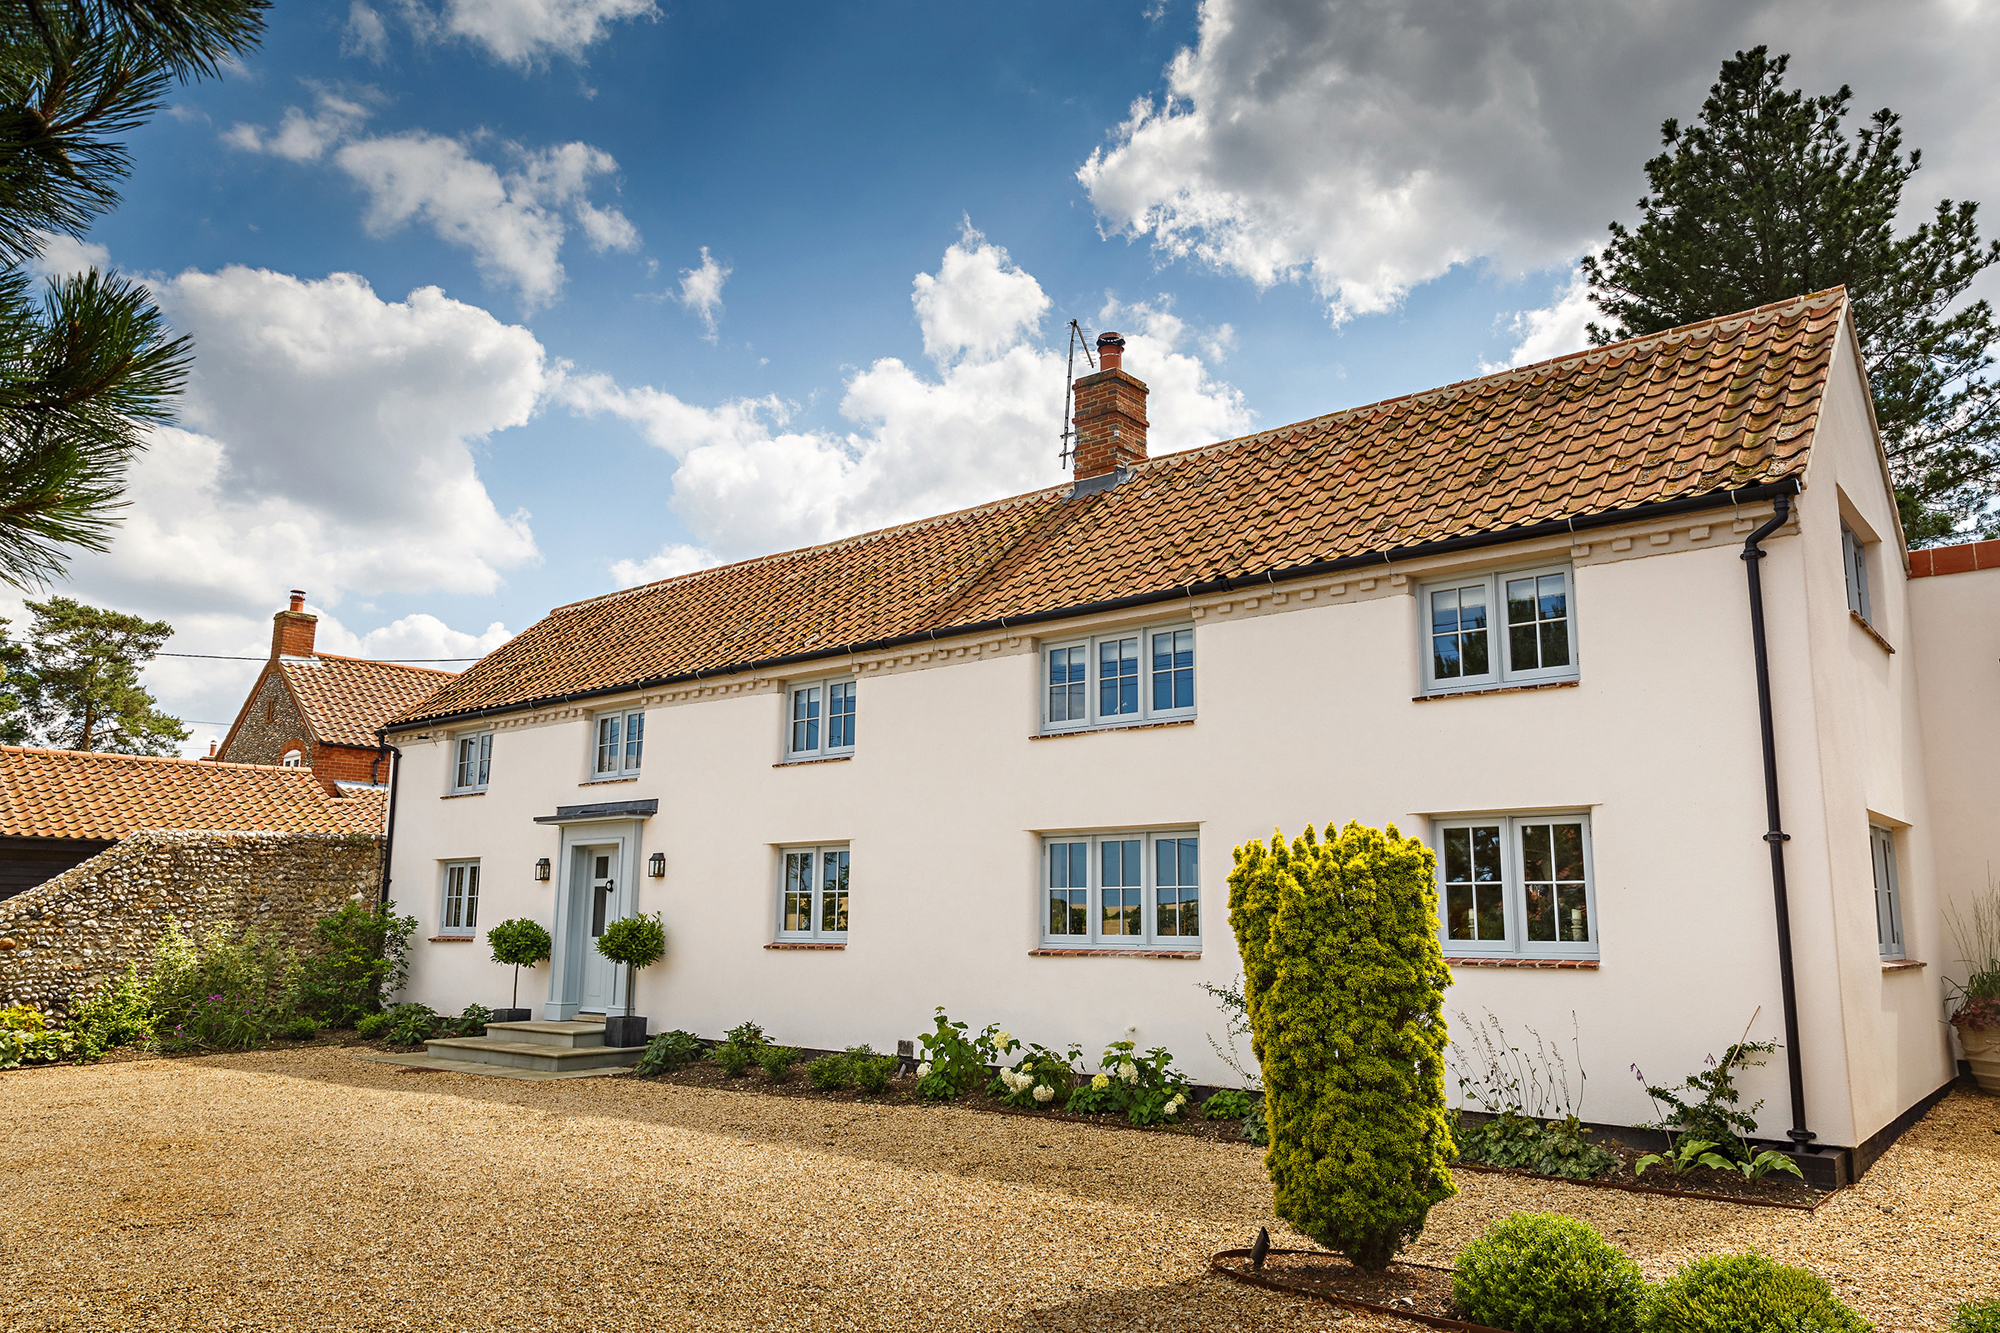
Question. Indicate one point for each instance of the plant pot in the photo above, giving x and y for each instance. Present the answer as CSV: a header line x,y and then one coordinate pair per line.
x,y
1978,1041
511,1016
623,1031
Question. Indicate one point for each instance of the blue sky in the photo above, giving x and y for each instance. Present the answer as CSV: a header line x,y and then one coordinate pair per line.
x,y
712,280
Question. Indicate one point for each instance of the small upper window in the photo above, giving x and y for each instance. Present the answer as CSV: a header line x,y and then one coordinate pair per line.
x,y
472,760
1498,629
1517,884
1854,558
1888,899
293,759
458,914
812,894
820,720
1122,890
621,742
1141,675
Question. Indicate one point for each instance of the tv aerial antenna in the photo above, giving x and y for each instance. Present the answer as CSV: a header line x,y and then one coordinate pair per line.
x,y
1077,338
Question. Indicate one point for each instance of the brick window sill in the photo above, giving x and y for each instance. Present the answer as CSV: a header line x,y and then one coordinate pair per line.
x,y
1114,953
1497,689
1550,964
453,939
805,763
460,795
1099,731
1902,965
805,945
604,782
1870,630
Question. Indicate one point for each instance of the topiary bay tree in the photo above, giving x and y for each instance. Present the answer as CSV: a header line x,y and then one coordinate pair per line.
x,y
1345,985
636,941
519,943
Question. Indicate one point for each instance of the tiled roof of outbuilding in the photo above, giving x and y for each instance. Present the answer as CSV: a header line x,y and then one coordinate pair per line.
x,y
345,698
84,794
1716,406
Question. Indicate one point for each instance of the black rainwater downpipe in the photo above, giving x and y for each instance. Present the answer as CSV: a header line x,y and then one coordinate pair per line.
x,y
389,835
1776,838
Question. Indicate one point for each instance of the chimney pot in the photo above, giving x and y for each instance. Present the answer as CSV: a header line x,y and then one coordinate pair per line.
x,y
1110,351
298,599
292,630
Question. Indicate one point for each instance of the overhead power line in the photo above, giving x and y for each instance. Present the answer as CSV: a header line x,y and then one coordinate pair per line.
x,y
229,657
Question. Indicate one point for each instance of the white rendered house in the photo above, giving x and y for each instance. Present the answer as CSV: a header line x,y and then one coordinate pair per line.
x,y
997,760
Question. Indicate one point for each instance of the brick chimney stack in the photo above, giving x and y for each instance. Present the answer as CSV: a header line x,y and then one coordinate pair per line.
x,y
292,631
1110,414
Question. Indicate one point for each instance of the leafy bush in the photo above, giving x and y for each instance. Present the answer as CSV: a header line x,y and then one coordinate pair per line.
x,y
372,1026
1256,1128
360,953
669,1053
735,1058
411,1025
26,1038
954,1060
872,1072
120,1014
1546,1273
1032,1077
230,992
636,941
749,1035
1147,1089
778,1061
1228,1104
299,1028
830,1073
1724,1293
1558,1148
1976,1317
1704,1104
471,1023
1345,983
519,943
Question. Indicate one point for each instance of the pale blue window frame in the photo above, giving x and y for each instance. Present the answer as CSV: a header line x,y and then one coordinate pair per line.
x,y
1888,893
1503,627
458,899
1121,889
471,761
1516,885
821,717
1121,678
814,886
618,744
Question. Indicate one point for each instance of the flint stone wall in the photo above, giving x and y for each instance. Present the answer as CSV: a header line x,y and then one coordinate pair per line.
x,y
61,940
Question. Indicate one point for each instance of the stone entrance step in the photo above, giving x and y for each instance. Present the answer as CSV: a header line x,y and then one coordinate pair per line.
x,y
547,1050
571,1034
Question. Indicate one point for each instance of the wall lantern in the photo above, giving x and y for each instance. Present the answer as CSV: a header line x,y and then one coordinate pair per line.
x,y
656,865
542,870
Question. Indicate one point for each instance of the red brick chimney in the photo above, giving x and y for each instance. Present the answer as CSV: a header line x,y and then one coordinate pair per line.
x,y
1110,414
292,631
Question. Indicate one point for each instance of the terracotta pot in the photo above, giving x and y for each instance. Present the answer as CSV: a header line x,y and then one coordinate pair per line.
x,y
1982,1052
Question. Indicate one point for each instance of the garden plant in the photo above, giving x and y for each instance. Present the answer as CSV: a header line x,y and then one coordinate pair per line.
x,y
1745,1291
635,941
1535,1120
669,1053
1704,1122
1345,984
1032,1077
1546,1273
954,1060
1145,1089
360,954
518,943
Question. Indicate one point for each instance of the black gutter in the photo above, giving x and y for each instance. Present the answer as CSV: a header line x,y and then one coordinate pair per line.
x,y
1776,837
1315,569
389,838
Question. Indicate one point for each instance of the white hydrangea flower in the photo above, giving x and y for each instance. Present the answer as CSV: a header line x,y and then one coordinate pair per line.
x,y
1100,1082
924,1069
1044,1093
1003,1039
1129,1072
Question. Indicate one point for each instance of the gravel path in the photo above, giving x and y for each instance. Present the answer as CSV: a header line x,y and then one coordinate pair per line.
x,y
312,1190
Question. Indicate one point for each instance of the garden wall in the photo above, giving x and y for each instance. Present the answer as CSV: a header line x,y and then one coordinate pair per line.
x,y
61,939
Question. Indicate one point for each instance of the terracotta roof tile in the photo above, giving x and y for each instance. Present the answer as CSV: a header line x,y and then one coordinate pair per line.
x,y
1720,405
83,794
346,698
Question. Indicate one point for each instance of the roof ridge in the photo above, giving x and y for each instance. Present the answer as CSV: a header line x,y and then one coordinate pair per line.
x,y
204,764
372,661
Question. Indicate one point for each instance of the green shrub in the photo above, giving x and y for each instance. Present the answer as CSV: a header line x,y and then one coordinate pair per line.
x,y
470,1023
636,941
735,1058
778,1061
1147,1089
411,1025
872,1072
1546,1273
120,1014
229,992
748,1035
954,1060
1228,1104
669,1053
26,1038
1745,1293
1976,1317
360,953
1032,1077
299,1028
1256,1128
1345,984
371,1026
517,944
830,1073
1558,1148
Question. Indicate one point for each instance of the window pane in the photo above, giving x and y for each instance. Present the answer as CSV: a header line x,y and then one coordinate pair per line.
x,y
1461,922
1569,852
1554,900
1121,862
1118,677
454,894
1458,632
1475,904
1121,910
1177,898
1173,669
1066,683
1486,853
1539,900
833,892
635,739
1058,865
1457,855
1538,622
1492,913
471,897
485,756
798,891
805,719
1535,861
1573,913
607,744
840,715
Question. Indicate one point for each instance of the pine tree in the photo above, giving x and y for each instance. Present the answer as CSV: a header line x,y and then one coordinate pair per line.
x,y
82,674
86,364
1764,197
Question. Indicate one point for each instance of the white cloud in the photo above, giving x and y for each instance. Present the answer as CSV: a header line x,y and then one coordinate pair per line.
x,y
416,638
983,424
701,289
365,35
63,256
299,137
1555,330
1366,148
671,559
525,33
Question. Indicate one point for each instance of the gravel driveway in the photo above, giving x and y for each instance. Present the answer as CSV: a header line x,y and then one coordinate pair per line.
x,y
311,1190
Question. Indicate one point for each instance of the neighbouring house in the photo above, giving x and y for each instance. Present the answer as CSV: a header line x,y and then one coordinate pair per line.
x,y
59,808
320,711
997,760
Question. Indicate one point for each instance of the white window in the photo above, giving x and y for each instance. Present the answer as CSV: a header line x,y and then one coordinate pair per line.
x,y
619,744
812,894
1514,628
1888,898
820,719
1854,559
1122,890
459,913
1518,885
472,760
293,759
1111,680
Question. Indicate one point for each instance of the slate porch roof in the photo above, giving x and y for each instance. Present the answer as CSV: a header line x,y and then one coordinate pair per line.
x,y
83,794
345,698
1719,406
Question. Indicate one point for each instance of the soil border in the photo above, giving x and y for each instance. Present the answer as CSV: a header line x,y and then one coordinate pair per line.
x,y
1255,1278
1747,1201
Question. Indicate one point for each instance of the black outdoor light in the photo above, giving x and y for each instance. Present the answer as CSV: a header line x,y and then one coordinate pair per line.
x,y
656,865
542,870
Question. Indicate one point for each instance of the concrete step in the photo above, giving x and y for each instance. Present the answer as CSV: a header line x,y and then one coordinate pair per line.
x,y
548,1034
438,1066
532,1055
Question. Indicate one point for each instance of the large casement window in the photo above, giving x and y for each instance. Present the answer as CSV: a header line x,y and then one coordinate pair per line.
x,y
812,894
1515,628
1517,885
819,720
1122,890
458,913
472,761
1854,560
619,743
1111,680
1888,897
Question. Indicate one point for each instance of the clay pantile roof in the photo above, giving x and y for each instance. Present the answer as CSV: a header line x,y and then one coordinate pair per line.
x,y
1718,406
83,794
345,698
